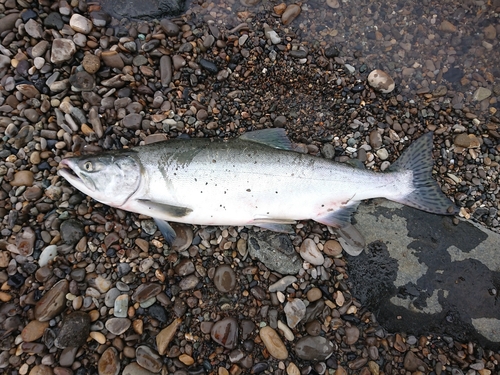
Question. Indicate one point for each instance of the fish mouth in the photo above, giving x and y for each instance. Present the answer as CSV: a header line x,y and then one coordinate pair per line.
x,y
68,170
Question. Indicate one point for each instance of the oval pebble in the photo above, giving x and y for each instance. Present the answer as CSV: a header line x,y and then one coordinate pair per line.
x,y
310,253
47,255
148,358
34,330
225,332
117,326
273,343
314,348
109,363
53,302
295,310
224,279
381,81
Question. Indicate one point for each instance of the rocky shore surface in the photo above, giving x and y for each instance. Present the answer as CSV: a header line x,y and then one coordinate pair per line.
x,y
87,289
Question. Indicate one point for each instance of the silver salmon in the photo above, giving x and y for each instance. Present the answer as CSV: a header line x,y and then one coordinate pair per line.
x,y
255,179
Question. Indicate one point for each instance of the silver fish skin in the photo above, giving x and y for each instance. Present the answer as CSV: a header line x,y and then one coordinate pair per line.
x,y
255,179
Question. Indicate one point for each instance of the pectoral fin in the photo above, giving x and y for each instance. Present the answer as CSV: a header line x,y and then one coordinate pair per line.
x,y
350,238
166,230
276,225
275,138
161,209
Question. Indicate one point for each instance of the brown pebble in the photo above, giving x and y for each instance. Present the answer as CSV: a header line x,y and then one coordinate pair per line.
x,y
23,178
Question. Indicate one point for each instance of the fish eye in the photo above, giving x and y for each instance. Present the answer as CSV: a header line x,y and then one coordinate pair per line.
x,y
88,166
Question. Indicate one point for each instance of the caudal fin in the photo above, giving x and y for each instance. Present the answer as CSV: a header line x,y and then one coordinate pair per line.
x,y
427,195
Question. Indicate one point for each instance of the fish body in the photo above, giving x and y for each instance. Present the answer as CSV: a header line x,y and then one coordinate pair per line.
x,y
255,179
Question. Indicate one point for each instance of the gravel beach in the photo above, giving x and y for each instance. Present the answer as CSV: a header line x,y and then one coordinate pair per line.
x,y
89,289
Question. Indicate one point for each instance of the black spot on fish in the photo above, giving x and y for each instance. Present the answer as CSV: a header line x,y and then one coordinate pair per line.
x,y
214,161
249,190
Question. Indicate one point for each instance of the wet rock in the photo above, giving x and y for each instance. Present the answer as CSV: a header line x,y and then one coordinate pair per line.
x,y
224,279
273,343
170,28
314,348
209,66
72,231
109,363
112,59
295,311
53,302
310,252
381,81
74,331
272,35
482,93
62,50
225,332
148,358
292,11
275,251
117,326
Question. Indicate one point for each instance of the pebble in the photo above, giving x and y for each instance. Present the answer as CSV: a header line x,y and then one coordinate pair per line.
x,y
148,358
166,335
109,362
224,279
41,370
71,231
165,70
184,237
117,326
314,294
282,284
273,343
482,93
34,330
291,12
53,302
381,81
91,63
351,335
295,311
412,363
34,29
74,330
80,24
272,35
62,50
135,369
447,27
146,291
314,348
225,332
121,306
23,178
310,253
169,27
332,248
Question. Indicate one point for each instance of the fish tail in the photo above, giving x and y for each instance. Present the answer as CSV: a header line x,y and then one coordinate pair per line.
x,y
426,194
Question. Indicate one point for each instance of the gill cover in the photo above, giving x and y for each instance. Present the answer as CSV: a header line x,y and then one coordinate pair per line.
x,y
110,179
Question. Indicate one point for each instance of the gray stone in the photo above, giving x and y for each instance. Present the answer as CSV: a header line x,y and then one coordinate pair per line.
x,y
427,275
74,331
71,231
276,251
314,348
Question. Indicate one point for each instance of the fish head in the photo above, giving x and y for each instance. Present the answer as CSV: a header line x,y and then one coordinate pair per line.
x,y
110,179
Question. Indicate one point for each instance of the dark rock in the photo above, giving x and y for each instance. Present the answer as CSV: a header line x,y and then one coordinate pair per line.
x,y
53,21
72,231
143,9
74,331
209,66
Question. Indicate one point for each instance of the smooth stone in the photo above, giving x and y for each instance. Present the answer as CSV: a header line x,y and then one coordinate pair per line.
x,y
295,311
135,369
4,62
165,70
74,331
314,348
224,279
412,363
8,22
184,237
310,252
282,284
34,330
41,370
375,139
91,63
109,362
381,81
72,230
53,21
272,35
166,335
225,332
117,326
481,93
34,29
28,90
82,81
62,50
53,302
146,291
314,294
111,296
189,282
23,178
276,251
121,306
139,60
383,154
462,140
102,284
184,267
80,24
447,27
47,255
209,66
351,335
68,355
169,27
332,248
291,12
112,59
273,343
148,358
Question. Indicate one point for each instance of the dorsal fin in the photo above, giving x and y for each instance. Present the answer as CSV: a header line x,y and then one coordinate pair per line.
x,y
275,138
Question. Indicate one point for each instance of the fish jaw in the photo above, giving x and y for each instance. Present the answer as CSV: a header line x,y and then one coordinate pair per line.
x,y
70,172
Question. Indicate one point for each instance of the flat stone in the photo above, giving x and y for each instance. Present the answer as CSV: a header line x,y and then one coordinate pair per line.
x,y
166,335
225,332
165,70
82,81
273,343
53,21
121,306
132,121
34,330
310,252
53,302
23,178
291,12
482,93
34,29
148,358
91,63
295,311
447,27
427,272
112,59
351,335
170,28
118,326
41,370
62,50
109,362
80,24
282,284
314,348
276,251
224,279
8,22
146,291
